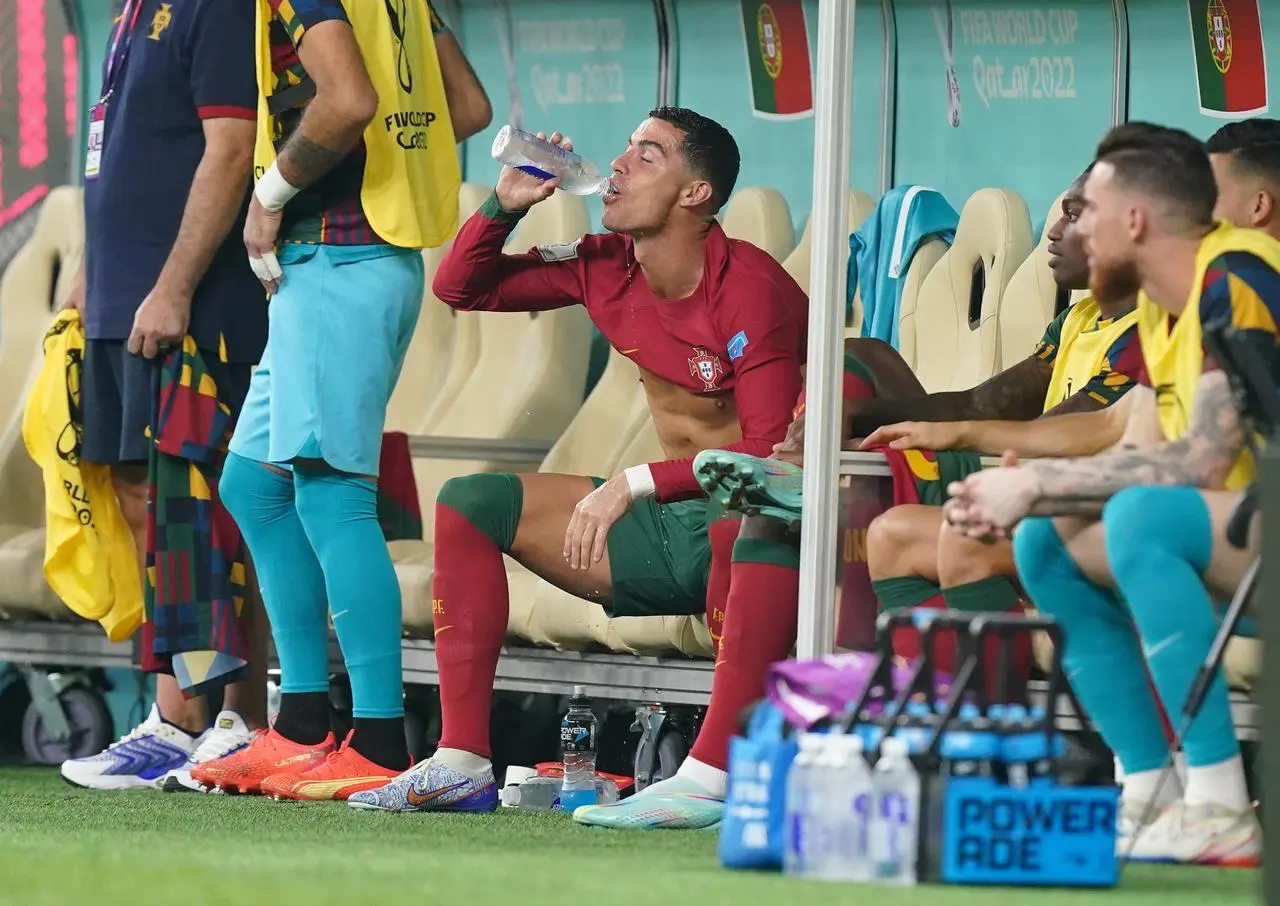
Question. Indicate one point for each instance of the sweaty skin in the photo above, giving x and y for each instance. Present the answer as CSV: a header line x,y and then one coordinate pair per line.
x,y
688,423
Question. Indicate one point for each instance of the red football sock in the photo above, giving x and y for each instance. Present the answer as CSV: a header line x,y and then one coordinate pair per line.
x,y
470,607
759,630
722,533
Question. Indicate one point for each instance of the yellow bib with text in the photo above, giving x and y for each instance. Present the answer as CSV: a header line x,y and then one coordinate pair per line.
x,y
1082,348
1174,355
412,173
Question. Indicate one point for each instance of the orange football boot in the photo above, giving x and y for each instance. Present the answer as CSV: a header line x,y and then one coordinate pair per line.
x,y
269,753
341,774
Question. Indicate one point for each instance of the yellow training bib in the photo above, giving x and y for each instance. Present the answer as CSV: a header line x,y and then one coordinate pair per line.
x,y
1174,355
1082,348
412,174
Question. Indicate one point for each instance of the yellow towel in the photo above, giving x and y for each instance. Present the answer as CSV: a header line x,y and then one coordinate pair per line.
x,y
89,557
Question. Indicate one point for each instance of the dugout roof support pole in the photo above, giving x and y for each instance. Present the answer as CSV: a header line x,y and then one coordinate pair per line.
x,y
833,132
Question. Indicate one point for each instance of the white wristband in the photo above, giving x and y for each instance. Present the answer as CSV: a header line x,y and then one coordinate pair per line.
x,y
640,482
273,190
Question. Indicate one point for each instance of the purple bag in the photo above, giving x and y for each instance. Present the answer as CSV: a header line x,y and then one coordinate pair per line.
x,y
807,692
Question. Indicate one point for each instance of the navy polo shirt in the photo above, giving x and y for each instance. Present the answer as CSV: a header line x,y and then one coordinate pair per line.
x,y
188,61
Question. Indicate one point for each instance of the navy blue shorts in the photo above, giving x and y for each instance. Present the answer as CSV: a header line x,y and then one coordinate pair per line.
x,y
117,394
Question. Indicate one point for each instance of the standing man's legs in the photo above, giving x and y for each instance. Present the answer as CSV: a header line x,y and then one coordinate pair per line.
x,y
116,402
301,482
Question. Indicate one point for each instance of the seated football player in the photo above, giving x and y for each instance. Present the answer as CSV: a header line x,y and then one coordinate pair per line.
x,y
1087,360
1094,358
1127,548
717,329
906,541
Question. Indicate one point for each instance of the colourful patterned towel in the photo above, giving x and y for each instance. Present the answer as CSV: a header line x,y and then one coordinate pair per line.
x,y
195,586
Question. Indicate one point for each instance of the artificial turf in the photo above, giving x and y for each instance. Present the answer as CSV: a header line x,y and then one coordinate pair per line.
x,y
61,846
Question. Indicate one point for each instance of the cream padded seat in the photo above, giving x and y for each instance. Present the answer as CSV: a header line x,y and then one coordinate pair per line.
x,y
441,339
799,263
38,278
760,216
1030,300
992,239
926,258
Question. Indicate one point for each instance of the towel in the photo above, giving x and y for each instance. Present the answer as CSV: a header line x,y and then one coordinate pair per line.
x,y
195,580
880,253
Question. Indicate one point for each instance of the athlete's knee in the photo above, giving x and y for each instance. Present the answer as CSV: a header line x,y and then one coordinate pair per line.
x,y
963,560
1037,551
130,485
491,502
892,542
254,492
1140,523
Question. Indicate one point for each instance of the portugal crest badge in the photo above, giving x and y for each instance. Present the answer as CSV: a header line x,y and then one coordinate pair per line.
x,y
770,37
706,367
1219,27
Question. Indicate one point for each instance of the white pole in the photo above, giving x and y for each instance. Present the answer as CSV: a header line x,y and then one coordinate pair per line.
x,y
832,127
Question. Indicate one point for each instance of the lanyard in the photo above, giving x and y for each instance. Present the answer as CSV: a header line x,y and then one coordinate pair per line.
x,y
118,53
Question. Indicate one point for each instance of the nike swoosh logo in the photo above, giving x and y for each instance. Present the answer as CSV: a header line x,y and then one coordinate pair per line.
x,y
629,351
415,799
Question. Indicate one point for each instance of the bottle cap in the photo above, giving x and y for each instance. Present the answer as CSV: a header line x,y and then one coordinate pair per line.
x,y
811,742
850,743
579,691
918,709
893,747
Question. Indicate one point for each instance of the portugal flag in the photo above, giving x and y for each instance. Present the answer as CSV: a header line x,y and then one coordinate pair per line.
x,y
1231,67
778,58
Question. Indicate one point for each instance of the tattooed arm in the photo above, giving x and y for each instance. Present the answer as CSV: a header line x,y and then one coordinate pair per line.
x,y
345,101
1201,458
1015,394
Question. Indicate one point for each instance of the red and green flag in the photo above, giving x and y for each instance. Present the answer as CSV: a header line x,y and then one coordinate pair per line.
x,y
1231,67
778,58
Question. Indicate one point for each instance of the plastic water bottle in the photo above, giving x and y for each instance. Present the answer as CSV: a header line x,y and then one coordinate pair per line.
x,y
844,811
797,840
895,824
1016,746
537,794
538,157
969,747
578,745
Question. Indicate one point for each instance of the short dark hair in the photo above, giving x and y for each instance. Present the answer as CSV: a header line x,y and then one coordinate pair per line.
x,y
708,147
1253,144
1242,134
1169,164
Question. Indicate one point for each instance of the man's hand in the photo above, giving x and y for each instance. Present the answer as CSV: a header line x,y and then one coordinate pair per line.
x,y
792,447
161,322
915,436
518,191
989,503
595,514
75,298
261,230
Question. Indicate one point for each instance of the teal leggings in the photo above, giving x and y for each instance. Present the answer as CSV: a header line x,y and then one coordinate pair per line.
x,y
1158,541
